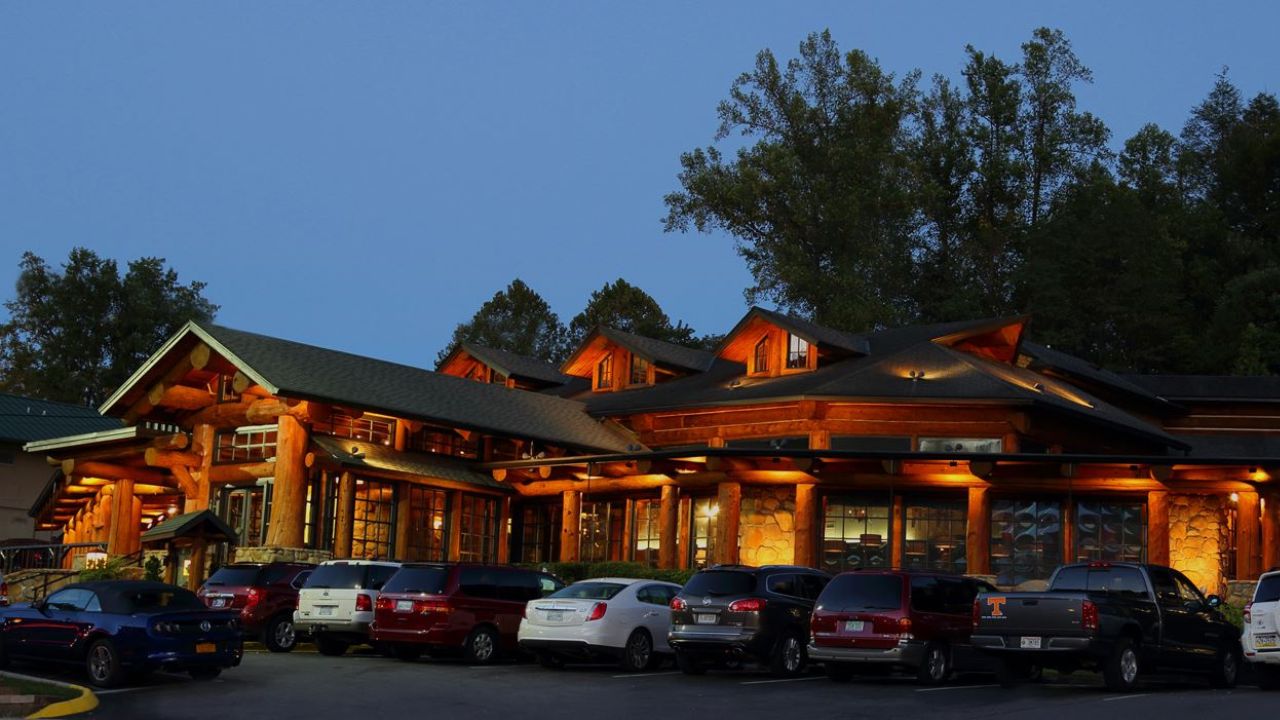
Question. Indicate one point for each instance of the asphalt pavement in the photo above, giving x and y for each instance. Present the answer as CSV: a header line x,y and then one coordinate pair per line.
x,y
304,684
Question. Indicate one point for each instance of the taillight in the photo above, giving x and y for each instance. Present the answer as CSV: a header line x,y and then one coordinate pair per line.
x,y
427,607
255,596
1248,609
597,611
382,604
904,626
364,603
977,614
821,622
1089,616
747,605
678,603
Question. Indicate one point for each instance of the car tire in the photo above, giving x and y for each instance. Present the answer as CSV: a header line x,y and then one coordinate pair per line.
x,y
637,654
407,652
1121,670
280,635
689,665
481,647
102,663
205,674
838,671
935,664
329,646
788,657
550,661
1226,668
1268,676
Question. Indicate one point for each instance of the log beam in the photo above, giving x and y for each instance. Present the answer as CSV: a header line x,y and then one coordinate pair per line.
x,y
806,525
197,359
154,457
240,473
109,471
180,397
1248,530
119,540
978,532
668,526
345,520
571,517
729,501
289,496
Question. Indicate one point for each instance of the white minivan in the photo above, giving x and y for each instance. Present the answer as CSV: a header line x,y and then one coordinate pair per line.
x,y
1261,638
336,604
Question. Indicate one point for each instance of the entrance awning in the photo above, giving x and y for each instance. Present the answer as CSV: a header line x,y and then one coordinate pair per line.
x,y
202,524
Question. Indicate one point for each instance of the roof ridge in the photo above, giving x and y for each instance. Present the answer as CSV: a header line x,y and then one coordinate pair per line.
x,y
64,403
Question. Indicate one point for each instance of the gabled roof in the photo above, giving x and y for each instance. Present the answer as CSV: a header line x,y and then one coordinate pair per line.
x,y
24,420
1211,387
814,333
510,364
1045,357
297,370
381,457
201,521
657,352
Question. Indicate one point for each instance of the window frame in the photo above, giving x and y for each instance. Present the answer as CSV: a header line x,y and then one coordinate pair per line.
x,y
641,365
760,356
798,350
604,373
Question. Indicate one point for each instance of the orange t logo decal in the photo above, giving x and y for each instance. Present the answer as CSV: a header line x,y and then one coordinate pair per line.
x,y
997,606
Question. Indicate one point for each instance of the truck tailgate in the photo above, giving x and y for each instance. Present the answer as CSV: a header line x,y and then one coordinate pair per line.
x,y
1037,614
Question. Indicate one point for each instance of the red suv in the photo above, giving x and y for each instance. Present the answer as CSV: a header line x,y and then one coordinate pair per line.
x,y
914,620
266,595
447,607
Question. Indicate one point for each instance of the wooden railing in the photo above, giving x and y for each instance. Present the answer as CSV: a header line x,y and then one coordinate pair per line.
x,y
40,557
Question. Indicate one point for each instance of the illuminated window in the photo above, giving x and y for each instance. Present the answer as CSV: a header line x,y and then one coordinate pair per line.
x,y
246,444
705,520
369,428
1111,531
443,441
478,529
1026,539
856,532
639,370
428,525
934,535
647,540
373,520
604,373
961,445
600,531
761,364
540,533
797,352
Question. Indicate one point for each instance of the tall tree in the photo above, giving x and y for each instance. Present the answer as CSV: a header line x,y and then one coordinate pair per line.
x,y
515,319
624,306
78,334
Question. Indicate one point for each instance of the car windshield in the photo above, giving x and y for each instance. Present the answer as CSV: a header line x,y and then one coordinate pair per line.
x,y
235,575
428,580
158,600
720,582
862,592
333,577
588,591
1268,590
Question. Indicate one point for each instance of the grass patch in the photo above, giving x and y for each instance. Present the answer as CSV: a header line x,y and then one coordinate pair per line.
x,y
52,693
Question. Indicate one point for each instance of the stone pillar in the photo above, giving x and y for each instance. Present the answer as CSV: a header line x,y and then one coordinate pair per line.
x,y
570,519
1198,539
978,532
343,520
1158,527
289,494
120,539
768,526
669,527
729,501
1248,530
805,535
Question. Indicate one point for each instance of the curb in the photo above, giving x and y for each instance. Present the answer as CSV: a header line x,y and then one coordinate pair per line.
x,y
86,702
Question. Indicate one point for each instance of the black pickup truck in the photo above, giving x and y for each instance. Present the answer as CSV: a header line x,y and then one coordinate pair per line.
x,y
1122,619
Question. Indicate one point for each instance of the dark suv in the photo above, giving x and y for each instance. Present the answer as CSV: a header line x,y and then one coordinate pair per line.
x,y
266,595
730,613
917,621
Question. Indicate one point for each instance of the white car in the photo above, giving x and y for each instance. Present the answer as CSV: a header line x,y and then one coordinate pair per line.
x,y
336,604
1261,638
621,619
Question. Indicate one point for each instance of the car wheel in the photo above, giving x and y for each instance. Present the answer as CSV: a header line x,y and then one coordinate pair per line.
x,y
481,647
329,646
1268,676
407,651
637,655
689,665
102,663
280,635
550,661
788,658
1226,668
838,671
1123,667
935,666
205,674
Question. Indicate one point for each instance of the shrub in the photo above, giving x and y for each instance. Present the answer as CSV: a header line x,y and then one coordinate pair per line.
x,y
1233,614
153,569
113,569
573,572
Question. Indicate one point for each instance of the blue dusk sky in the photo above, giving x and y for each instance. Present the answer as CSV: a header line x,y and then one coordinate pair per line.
x,y
363,175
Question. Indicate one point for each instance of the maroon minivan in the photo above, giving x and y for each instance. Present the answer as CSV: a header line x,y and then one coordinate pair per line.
x,y
266,594
913,620
449,607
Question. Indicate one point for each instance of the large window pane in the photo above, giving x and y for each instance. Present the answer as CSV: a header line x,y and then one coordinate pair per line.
x,y
702,538
478,530
600,531
428,524
934,533
646,540
1026,539
1111,531
539,533
373,520
856,532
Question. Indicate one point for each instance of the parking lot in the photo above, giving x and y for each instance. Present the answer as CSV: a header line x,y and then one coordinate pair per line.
x,y
305,684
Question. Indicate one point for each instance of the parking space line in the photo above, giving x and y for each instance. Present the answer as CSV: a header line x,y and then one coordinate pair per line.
x,y
766,682
640,675
115,691
955,687
1124,697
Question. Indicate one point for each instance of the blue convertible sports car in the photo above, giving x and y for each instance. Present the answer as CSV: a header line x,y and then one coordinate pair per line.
x,y
121,627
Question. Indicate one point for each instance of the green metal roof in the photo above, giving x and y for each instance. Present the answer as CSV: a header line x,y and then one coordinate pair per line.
x,y
24,420
184,525
357,454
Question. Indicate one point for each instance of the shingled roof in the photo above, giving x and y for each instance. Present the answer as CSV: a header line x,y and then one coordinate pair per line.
x,y
358,454
511,364
658,352
1211,387
814,333
24,420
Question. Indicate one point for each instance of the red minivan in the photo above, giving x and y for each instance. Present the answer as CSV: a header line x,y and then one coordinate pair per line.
x,y
266,594
449,607
912,620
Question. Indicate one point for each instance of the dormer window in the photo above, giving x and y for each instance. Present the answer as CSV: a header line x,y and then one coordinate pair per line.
x,y
639,371
797,352
760,358
604,373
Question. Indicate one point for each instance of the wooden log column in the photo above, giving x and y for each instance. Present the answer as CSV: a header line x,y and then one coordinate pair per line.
x,y
199,557
1158,527
1248,530
729,516
570,519
404,524
204,437
504,534
806,524
135,525
978,532
1271,531
668,526
120,540
342,524
289,495
897,531
455,525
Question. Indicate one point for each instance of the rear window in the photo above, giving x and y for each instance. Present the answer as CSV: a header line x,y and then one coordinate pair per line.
x,y
337,577
232,575
863,592
720,582
418,580
1124,582
1268,589
589,591
156,600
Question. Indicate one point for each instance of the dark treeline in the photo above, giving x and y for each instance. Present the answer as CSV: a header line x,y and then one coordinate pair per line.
x,y
865,200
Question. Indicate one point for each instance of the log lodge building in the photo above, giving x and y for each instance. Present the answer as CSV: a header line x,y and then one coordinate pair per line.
x,y
958,446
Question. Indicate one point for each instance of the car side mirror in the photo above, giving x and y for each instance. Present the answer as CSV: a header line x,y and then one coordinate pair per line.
x,y
1214,601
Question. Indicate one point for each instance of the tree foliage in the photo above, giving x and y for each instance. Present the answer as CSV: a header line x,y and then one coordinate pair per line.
x,y
77,334
517,320
624,306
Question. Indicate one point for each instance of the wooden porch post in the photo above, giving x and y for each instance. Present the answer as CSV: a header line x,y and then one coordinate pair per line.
x,y
119,541
806,523
404,520
1271,532
978,532
897,531
195,575
342,523
102,515
628,531
571,518
1158,527
684,511
729,501
454,546
135,526
203,437
504,535
289,495
668,526
1247,532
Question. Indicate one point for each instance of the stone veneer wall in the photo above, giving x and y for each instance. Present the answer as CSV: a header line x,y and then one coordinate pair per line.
x,y
766,525
1198,538
281,554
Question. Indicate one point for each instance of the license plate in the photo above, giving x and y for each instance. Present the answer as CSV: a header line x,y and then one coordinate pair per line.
x,y
704,618
555,615
1264,641
403,606
203,648
324,611
853,625
1031,643
218,602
